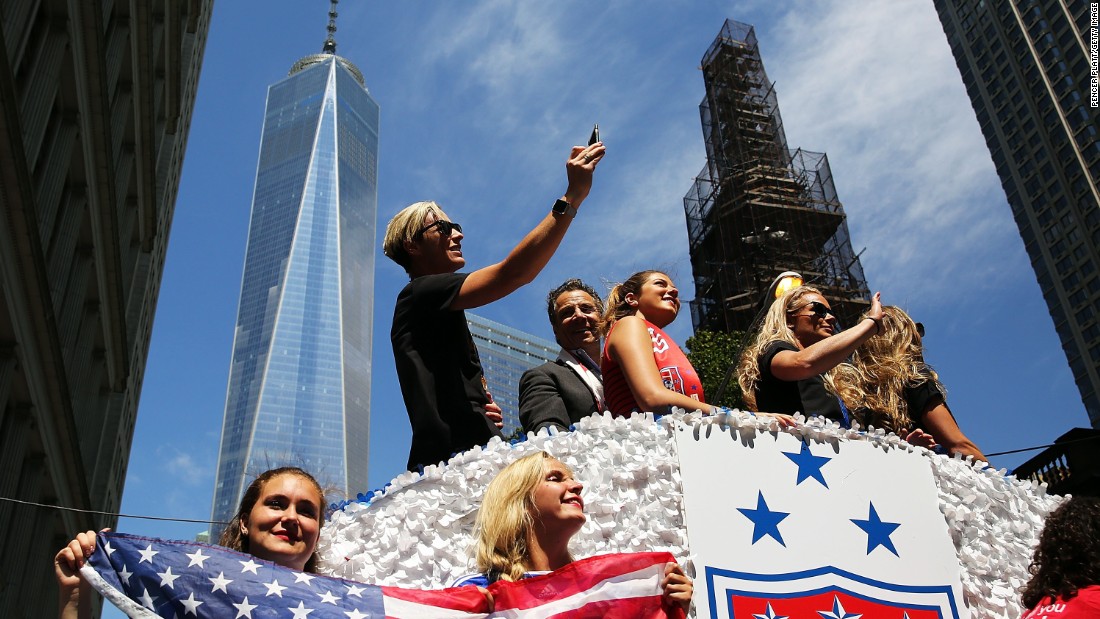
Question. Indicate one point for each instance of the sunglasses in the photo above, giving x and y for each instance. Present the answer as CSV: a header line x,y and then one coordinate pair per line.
x,y
446,228
819,309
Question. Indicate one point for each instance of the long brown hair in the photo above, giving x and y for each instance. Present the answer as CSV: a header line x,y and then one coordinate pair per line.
x,y
231,537
617,306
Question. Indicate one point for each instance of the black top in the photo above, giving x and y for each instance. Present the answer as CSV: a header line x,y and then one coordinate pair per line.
x,y
919,399
439,370
807,396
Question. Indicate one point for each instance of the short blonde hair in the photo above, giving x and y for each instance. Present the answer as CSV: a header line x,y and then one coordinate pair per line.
x,y
403,228
504,521
774,328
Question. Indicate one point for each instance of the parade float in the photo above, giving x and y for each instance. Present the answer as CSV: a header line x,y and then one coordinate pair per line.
x,y
770,522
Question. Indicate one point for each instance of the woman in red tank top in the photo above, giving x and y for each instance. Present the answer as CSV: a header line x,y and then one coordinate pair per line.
x,y
643,369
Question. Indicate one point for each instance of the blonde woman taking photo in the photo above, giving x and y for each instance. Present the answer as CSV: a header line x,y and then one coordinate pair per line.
x,y
782,371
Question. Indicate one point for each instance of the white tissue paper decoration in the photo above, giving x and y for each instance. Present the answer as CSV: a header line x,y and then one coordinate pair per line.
x,y
418,532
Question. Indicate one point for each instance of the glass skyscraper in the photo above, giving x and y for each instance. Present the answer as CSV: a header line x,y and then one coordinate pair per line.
x,y
507,353
1026,67
299,381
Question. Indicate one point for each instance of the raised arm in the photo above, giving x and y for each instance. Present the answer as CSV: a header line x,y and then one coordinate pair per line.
x,y
632,348
826,354
73,593
528,258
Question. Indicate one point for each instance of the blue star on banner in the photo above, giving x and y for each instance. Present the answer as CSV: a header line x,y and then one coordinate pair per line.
x,y
878,532
808,464
764,520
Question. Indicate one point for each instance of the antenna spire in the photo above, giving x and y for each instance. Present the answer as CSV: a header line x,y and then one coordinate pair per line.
x,y
330,40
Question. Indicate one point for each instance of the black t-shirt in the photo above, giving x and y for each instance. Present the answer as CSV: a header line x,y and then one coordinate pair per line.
x,y
439,370
807,396
918,400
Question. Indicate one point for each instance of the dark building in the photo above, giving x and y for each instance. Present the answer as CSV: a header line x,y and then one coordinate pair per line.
x,y
758,208
95,105
1025,64
1070,466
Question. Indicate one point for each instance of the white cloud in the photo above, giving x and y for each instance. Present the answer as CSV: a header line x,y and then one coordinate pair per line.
x,y
183,468
876,87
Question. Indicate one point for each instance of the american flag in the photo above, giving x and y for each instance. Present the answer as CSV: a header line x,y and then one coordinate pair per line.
x,y
148,578
618,586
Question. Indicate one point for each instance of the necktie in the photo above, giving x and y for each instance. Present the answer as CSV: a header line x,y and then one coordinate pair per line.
x,y
587,362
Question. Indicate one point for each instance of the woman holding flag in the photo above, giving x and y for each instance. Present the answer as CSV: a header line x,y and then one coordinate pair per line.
x,y
530,512
279,520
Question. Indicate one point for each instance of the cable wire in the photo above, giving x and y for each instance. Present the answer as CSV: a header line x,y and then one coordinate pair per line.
x,y
1016,451
99,513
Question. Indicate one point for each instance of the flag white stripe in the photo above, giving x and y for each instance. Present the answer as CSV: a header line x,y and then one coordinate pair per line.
x,y
641,583
114,596
396,607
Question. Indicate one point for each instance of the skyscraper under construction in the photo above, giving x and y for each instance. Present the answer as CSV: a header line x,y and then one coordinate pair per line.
x,y
758,208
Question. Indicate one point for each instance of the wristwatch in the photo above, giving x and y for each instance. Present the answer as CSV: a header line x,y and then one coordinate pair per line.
x,y
561,207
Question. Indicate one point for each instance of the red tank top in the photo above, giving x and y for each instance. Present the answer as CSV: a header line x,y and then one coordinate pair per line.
x,y
675,369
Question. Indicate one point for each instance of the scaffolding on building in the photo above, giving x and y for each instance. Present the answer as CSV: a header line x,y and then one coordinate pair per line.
x,y
757,208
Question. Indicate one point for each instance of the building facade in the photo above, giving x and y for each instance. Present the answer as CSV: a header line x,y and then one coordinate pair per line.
x,y
757,208
507,353
1025,64
299,381
95,106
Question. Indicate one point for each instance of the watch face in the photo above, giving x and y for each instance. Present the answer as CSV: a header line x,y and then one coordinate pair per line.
x,y
561,207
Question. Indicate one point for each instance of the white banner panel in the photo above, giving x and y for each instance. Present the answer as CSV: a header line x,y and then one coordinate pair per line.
x,y
834,530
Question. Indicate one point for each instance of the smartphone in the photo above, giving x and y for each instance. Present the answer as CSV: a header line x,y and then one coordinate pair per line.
x,y
595,137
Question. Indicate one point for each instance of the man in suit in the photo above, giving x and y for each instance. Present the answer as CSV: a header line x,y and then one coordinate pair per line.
x,y
561,392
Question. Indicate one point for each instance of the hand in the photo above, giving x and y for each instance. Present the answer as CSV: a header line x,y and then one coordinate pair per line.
x,y
495,414
489,601
68,561
875,313
921,439
582,162
785,421
676,587
73,591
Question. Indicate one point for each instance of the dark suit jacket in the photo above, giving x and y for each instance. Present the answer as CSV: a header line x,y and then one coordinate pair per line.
x,y
553,393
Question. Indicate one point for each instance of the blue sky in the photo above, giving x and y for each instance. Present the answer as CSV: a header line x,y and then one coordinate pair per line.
x,y
480,104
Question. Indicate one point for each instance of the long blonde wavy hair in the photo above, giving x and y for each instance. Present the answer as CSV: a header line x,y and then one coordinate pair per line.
x,y
873,384
505,521
775,327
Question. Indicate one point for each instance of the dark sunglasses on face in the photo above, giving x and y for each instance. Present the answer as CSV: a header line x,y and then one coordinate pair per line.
x,y
446,228
820,310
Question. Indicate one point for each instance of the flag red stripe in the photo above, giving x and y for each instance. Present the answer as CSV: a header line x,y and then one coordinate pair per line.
x,y
574,578
467,599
